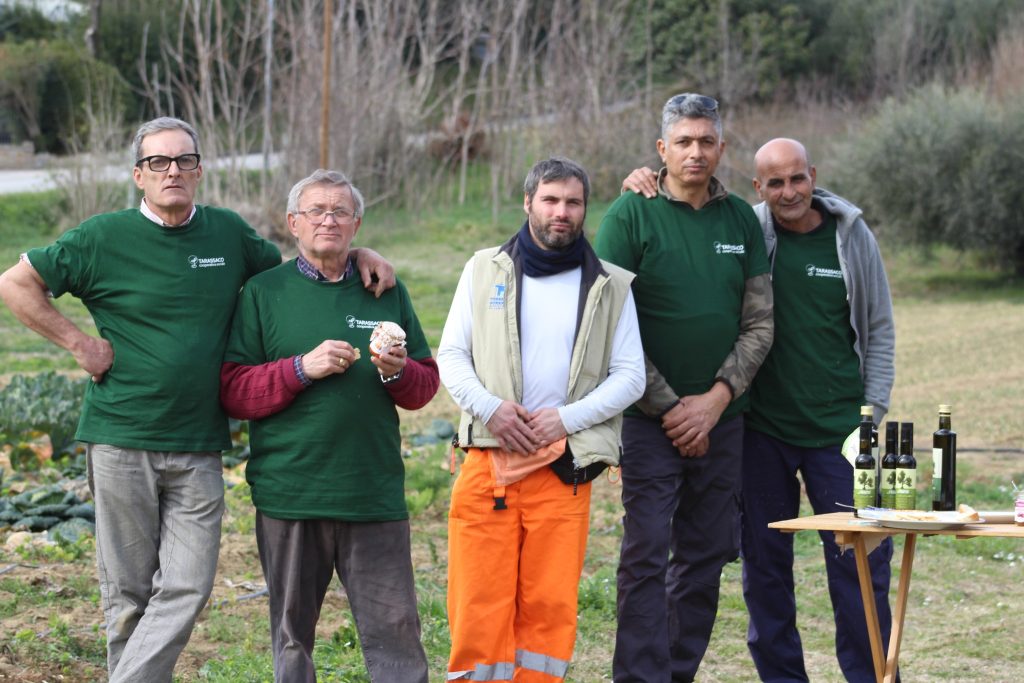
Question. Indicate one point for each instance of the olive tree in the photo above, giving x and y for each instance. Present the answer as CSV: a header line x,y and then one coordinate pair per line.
x,y
942,167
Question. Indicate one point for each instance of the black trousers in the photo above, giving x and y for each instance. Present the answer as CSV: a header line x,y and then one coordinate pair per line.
x,y
681,526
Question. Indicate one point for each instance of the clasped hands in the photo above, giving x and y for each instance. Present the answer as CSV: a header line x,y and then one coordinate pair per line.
x,y
520,431
690,421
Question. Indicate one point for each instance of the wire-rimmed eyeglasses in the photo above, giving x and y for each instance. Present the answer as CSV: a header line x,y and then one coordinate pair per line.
x,y
316,215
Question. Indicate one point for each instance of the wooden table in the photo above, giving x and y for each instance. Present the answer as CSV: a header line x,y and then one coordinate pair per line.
x,y
851,531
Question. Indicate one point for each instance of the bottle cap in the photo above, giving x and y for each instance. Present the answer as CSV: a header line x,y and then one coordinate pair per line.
x,y
867,410
946,408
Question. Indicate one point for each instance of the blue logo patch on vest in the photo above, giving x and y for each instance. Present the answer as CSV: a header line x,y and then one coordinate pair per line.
x,y
497,300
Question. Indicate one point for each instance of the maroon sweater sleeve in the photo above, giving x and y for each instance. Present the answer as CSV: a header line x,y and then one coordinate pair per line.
x,y
418,384
251,392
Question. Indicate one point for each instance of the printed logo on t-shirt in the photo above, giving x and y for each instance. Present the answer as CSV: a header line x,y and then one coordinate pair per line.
x,y
497,300
721,248
818,271
201,262
356,323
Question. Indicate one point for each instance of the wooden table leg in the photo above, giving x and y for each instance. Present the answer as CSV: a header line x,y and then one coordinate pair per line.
x,y
867,592
900,612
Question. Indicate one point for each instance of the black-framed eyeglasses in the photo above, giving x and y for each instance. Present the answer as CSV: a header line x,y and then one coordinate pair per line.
x,y
708,103
160,163
316,215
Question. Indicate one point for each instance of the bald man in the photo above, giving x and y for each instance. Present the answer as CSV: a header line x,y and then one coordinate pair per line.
x,y
833,351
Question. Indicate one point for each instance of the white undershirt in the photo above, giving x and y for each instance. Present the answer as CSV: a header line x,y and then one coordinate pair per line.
x,y
546,328
548,375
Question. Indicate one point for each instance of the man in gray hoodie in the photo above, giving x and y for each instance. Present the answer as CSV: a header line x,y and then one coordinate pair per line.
x,y
833,351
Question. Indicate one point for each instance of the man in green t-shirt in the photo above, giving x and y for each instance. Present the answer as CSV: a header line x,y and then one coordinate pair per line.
x,y
326,466
704,304
834,350
160,282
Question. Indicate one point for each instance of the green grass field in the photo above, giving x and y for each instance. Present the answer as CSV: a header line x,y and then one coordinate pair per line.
x,y
959,328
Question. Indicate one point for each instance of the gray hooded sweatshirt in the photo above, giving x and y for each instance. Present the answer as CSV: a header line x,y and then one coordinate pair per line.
x,y
867,291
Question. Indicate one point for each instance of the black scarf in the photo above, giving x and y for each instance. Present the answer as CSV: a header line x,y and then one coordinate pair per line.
x,y
539,262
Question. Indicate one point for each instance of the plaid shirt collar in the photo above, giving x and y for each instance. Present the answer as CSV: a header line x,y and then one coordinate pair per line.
x,y
313,273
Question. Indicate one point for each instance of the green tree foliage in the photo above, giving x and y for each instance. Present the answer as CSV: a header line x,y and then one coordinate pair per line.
x,y
943,167
880,47
49,85
21,22
129,41
736,49
759,49
21,76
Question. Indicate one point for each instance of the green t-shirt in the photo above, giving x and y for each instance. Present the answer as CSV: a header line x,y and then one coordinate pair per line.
x,y
809,389
691,267
335,452
163,298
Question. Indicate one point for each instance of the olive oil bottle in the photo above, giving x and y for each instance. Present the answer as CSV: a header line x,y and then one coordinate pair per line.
x,y
865,480
887,484
906,470
944,462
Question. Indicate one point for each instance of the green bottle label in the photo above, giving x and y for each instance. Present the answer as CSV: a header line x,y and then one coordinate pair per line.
x,y
888,486
863,488
906,489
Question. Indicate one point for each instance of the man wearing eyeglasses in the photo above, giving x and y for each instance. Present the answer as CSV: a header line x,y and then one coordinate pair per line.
x,y
326,466
704,304
160,282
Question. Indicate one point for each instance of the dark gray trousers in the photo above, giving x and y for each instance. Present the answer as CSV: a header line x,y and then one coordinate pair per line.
x,y
373,561
680,528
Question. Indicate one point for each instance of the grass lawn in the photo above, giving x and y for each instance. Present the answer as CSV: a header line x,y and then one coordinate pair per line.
x,y
959,328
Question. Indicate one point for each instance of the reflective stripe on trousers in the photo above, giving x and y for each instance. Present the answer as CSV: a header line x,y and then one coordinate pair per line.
x,y
503,671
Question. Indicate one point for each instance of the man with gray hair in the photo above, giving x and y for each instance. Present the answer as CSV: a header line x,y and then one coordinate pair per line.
x,y
704,303
326,465
542,353
834,350
160,282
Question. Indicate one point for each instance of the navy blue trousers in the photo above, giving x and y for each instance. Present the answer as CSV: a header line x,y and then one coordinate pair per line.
x,y
681,526
771,492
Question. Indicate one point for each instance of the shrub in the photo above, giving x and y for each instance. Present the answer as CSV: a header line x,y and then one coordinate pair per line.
x,y
50,85
942,167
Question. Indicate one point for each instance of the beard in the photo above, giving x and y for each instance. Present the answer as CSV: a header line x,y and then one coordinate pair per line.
x,y
549,238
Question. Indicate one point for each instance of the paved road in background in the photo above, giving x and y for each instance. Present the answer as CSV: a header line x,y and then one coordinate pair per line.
x,y
26,181
40,180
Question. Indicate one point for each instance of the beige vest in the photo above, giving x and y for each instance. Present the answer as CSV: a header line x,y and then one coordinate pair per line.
x,y
497,358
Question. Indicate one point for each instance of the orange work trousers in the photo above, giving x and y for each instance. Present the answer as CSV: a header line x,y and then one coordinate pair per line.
x,y
513,574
